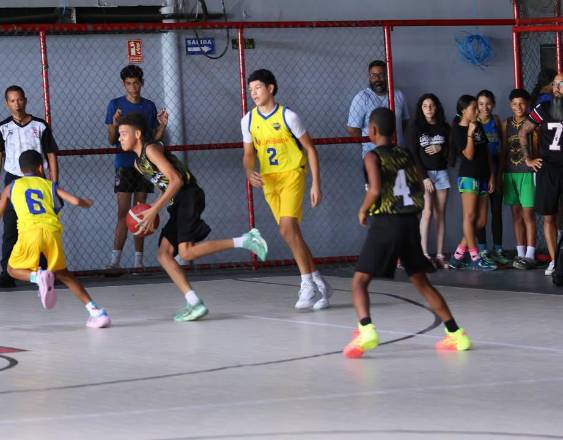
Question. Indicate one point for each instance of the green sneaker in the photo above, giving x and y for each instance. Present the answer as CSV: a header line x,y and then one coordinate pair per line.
x,y
499,258
191,313
254,242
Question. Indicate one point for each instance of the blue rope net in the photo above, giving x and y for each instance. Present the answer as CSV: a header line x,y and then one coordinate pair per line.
x,y
475,49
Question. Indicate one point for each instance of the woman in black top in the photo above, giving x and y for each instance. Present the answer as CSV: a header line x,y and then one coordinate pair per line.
x,y
428,140
476,179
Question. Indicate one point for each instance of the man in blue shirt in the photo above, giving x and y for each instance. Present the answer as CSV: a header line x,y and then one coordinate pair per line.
x,y
375,96
128,182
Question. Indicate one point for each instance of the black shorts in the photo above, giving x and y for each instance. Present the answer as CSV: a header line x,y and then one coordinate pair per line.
x,y
129,180
393,237
185,224
549,188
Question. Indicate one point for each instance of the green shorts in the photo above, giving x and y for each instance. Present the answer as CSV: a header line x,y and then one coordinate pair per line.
x,y
519,189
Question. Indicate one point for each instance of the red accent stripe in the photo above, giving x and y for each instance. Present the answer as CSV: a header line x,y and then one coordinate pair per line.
x,y
536,117
10,350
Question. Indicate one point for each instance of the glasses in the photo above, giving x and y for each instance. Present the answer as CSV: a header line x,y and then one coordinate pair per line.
x,y
558,84
377,75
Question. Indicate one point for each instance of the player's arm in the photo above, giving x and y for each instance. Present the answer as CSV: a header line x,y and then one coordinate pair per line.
x,y
4,199
469,150
523,135
371,165
249,164
53,167
112,121
162,119
74,200
492,181
503,155
313,159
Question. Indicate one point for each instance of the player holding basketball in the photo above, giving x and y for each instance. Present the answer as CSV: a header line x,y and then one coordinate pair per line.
x,y
185,231
37,205
276,135
394,198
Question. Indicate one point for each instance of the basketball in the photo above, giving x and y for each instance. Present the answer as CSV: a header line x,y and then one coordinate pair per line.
x,y
133,219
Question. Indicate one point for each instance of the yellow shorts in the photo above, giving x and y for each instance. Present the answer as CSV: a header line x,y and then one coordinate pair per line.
x,y
284,193
34,242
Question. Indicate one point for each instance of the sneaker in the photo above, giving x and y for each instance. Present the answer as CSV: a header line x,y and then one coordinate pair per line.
x,y
191,313
7,282
325,290
484,255
524,263
483,264
440,262
308,296
46,282
363,339
456,341
550,269
454,263
113,266
253,241
100,321
499,258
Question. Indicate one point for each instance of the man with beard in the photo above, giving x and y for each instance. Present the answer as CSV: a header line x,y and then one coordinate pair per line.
x,y
548,116
375,96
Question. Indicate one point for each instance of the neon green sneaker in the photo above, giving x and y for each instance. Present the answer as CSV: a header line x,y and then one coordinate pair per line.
x,y
456,341
191,313
365,338
254,242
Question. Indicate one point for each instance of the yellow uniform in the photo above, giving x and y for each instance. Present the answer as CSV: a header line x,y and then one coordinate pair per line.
x,y
39,228
282,162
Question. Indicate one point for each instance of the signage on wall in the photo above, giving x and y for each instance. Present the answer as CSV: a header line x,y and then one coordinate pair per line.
x,y
135,51
200,46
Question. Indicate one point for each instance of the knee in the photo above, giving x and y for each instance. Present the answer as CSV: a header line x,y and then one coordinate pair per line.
x,y
549,220
287,232
10,271
164,255
360,281
186,254
426,214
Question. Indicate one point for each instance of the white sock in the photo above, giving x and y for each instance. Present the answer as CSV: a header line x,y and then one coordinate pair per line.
x,y
191,298
238,241
138,259
115,256
521,250
531,252
93,309
33,277
306,278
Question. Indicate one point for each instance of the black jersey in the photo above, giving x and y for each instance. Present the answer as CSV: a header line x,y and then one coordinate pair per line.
x,y
401,190
551,131
515,159
152,173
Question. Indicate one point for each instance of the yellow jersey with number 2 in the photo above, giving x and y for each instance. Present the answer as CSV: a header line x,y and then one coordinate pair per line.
x,y
276,147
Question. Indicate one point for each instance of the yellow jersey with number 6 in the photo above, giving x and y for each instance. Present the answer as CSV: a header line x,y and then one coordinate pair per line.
x,y
276,147
36,203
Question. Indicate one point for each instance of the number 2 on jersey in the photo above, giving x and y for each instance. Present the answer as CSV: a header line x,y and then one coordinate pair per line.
x,y
558,127
272,156
34,205
401,189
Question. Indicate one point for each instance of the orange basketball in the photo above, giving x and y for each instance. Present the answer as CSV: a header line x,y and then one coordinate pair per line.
x,y
133,219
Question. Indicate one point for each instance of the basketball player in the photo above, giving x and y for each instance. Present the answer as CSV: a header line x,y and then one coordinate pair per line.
x,y
185,231
275,134
37,205
548,116
394,198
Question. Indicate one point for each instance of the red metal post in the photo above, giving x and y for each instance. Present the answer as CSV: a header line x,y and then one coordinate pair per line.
x,y
558,39
244,109
516,57
389,62
45,76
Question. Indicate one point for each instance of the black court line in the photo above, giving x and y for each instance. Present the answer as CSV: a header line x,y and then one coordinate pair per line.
x,y
432,326
11,362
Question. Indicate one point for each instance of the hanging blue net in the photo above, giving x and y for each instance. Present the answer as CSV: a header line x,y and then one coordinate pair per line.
x,y
475,49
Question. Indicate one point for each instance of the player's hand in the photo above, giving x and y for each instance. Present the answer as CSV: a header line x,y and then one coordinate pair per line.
x,y
117,116
428,185
471,128
534,164
146,225
363,217
86,203
162,117
254,178
433,149
316,196
491,185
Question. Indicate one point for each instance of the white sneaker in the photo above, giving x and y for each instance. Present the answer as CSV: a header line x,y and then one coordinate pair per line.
x,y
550,269
321,304
307,296
113,266
325,291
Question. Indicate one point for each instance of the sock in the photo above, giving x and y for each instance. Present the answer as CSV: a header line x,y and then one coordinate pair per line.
x,y
498,248
451,325
460,252
33,277
365,321
306,278
191,298
138,259
237,241
521,250
531,252
474,252
93,309
482,247
115,256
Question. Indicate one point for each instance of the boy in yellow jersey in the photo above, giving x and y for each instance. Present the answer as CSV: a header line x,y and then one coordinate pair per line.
x,y
394,198
275,135
36,201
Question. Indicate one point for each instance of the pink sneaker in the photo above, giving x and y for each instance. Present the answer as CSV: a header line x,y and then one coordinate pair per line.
x,y
101,321
46,281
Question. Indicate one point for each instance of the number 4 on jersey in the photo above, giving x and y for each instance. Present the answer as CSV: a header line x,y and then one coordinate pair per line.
x,y
401,189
